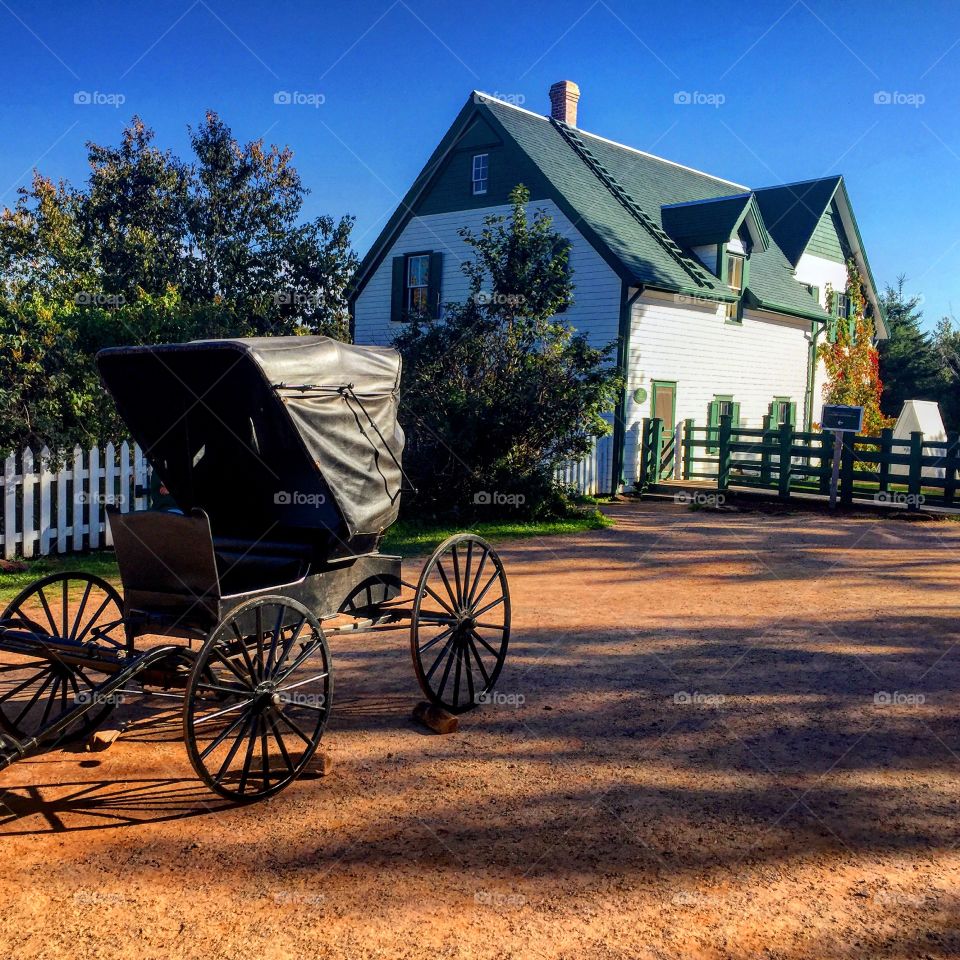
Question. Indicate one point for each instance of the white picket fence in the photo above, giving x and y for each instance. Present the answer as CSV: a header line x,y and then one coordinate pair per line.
x,y
61,510
593,475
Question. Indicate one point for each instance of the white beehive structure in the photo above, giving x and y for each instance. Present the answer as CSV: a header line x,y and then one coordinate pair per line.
x,y
922,415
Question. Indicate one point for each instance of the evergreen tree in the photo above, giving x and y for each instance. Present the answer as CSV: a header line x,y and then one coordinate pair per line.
x,y
909,364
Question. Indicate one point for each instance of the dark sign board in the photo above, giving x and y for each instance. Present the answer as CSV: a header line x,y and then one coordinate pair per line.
x,y
841,419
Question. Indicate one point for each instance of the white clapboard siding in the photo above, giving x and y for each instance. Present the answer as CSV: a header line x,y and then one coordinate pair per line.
x,y
60,508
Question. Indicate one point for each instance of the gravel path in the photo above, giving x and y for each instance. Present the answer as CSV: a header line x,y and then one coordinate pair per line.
x,y
721,735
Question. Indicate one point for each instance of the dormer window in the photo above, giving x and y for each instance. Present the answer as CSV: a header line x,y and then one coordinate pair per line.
x,y
735,269
480,170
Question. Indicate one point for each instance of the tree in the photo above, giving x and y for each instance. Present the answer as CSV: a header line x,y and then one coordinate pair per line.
x,y
153,249
852,360
500,390
946,345
908,360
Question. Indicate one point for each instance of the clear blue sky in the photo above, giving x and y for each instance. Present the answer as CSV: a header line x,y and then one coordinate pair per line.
x,y
798,80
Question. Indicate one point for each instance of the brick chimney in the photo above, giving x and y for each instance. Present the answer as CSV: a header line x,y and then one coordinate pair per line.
x,y
564,95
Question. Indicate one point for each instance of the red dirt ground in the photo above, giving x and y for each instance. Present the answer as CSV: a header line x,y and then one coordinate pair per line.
x,y
724,735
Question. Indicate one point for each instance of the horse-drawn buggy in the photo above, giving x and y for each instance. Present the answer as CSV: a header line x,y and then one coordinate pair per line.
x,y
284,458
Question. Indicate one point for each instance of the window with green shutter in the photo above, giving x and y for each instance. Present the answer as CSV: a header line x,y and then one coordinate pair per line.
x,y
720,406
781,410
415,288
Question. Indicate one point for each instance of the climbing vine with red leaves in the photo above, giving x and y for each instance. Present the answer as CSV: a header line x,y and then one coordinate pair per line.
x,y
852,361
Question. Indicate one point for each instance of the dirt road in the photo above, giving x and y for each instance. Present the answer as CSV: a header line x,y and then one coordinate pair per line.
x,y
719,735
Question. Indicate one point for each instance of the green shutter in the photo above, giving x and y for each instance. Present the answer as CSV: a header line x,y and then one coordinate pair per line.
x,y
793,414
713,421
735,415
396,289
768,423
435,281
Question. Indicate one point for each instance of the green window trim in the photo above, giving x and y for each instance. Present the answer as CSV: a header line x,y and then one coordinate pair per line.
x,y
733,312
773,419
715,411
398,286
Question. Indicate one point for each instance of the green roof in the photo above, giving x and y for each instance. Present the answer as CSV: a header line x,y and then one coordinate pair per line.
x,y
625,203
792,212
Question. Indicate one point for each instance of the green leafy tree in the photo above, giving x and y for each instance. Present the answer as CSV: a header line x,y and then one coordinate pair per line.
x,y
946,345
153,249
909,364
500,390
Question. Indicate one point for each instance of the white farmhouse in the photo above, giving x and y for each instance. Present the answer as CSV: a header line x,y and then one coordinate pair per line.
x,y
715,291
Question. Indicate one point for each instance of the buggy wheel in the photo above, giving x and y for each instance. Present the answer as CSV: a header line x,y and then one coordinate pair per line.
x,y
258,699
460,625
74,609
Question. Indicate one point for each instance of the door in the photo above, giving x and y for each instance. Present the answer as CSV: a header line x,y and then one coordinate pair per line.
x,y
663,405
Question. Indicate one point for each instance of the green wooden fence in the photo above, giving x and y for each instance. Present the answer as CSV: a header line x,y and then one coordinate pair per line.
x,y
793,461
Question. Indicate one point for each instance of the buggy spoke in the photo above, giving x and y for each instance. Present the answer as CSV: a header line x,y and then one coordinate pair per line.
x,y
51,699
103,606
65,609
264,753
248,720
440,656
80,609
456,574
288,646
258,617
466,663
46,609
26,683
440,600
226,662
494,576
295,727
307,652
484,642
476,578
436,639
279,738
446,670
490,606
446,583
34,699
456,676
477,658
223,736
300,683
220,713
254,726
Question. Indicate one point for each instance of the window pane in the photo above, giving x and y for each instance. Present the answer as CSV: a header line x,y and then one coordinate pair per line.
x,y
735,273
418,269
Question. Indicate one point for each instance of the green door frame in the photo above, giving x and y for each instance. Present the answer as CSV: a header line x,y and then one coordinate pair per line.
x,y
672,384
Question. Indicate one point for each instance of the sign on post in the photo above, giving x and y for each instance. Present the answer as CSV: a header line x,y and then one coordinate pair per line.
x,y
840,419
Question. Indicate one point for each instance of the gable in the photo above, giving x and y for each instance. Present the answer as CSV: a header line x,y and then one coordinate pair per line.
x,y
828,240
451,187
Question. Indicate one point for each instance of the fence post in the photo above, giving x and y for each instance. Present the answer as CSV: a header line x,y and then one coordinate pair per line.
x,y
29,513
846,468
687,449
915,480
826,461
78,498
10,507
723,452
950,469
784,477
886,448
765,463
46,482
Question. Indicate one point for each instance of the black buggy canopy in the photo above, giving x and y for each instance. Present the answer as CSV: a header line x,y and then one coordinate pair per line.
x,y
268,432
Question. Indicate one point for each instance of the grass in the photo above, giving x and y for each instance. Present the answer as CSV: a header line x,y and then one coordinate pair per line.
x,y
405,539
